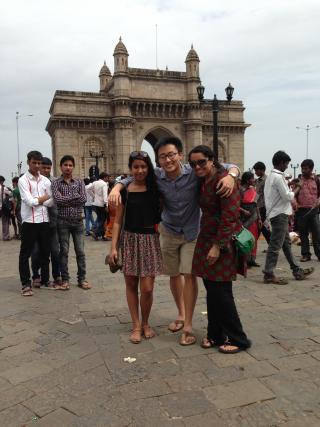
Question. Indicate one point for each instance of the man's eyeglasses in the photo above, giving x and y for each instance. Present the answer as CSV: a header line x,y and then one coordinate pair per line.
x,y
201,163
170,156
137,154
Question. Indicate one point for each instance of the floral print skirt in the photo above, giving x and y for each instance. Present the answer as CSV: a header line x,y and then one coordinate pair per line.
x,y
141,254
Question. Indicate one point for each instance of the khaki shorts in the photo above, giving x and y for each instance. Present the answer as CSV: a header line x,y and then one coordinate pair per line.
x,y
177,252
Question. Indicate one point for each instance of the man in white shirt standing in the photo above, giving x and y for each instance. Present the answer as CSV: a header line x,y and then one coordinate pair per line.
x,y
279,200
35,191
100,204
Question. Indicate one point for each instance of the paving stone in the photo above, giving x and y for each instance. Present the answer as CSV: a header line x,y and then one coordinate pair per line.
x,y
288,382
238,393
267,351
15,416
13,396
186,403
102,321
299,361
144,389
57,418
260,414
44,403
26,371
195,381
207,419
18,349
304,420
223,360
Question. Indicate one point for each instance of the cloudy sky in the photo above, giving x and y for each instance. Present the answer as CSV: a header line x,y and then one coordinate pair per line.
x,y
268,49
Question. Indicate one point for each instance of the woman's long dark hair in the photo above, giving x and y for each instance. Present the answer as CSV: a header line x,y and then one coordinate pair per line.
x,y
151,181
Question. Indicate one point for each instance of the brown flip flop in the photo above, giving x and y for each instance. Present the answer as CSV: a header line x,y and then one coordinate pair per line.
x,y
187,338
176,325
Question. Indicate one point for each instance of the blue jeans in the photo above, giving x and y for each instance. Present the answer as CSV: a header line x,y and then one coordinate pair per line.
x,y
90,222
73,227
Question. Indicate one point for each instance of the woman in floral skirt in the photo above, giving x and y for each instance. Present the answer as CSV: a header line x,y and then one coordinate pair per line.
x,y
138,216
215,259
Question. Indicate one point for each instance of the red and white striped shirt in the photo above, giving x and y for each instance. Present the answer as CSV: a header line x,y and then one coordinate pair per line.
x,y
31,188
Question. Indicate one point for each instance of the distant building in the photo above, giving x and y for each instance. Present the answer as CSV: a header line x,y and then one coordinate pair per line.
x,y
136,104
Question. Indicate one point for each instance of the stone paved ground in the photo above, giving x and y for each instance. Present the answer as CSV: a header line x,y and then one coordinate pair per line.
x,y
62,356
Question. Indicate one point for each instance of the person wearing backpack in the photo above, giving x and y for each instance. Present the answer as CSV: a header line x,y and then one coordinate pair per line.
x,y
307,214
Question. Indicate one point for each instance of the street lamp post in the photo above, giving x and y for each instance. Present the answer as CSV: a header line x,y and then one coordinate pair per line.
x,y
19,164
215,109
294,167
307,129
95,170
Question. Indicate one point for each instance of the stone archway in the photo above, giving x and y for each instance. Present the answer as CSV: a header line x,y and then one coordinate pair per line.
x,y
151,138
95,146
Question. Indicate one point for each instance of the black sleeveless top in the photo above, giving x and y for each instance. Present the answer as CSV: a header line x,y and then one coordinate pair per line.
x,y
142,211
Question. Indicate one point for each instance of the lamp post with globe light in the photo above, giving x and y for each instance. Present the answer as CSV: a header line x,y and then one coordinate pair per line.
x,y
19,164
215,109
307,129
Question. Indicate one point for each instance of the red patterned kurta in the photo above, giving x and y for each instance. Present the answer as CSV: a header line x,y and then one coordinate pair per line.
x,y
220,220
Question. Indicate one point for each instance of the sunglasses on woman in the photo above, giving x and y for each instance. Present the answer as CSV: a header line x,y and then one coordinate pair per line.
x,y
136,154
201,163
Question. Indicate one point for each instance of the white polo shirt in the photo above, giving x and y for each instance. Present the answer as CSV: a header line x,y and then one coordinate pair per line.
x,y
277,194
31,188
100,192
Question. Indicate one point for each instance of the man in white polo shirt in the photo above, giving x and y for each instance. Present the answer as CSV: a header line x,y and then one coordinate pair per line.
x,y
35,191
100,203
279,199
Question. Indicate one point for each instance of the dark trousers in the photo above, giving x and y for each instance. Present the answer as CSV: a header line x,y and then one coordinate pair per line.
x,y
73,227
308,224
101,217
32,234
54,255
279,239
223,320
264,230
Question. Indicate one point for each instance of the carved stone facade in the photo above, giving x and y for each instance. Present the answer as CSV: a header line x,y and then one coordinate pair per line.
x,y
135,105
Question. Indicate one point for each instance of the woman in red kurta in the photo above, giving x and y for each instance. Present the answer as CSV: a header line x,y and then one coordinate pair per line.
x,y
215,259
249,212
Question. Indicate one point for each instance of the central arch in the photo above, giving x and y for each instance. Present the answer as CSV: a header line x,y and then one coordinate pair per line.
x,y
151,138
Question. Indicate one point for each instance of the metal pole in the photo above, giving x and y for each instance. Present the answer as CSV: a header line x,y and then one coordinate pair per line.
x,y
18,145
215,109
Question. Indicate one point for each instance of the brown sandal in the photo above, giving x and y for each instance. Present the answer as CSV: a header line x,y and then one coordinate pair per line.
x,y
276,280
85,285
27,292
207,343
176,325
135,336
148,332
65,286
187,338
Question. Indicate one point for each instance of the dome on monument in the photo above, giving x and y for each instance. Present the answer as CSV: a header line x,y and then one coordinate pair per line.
x,y
192,55
104,70
120,49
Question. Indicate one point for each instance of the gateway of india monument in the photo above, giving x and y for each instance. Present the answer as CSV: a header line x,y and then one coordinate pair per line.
x,y
137,104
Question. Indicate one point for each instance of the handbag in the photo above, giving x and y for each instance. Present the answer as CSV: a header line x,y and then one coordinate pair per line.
x,y
118,265
244,241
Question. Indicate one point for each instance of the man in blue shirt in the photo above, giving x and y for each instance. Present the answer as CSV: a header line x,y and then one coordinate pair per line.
x,y
179,227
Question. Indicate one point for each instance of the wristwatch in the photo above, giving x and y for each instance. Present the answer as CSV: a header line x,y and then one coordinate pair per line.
x,y
234,175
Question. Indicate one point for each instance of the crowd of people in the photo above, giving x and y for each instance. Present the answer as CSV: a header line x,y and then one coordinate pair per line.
x,y
181,220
